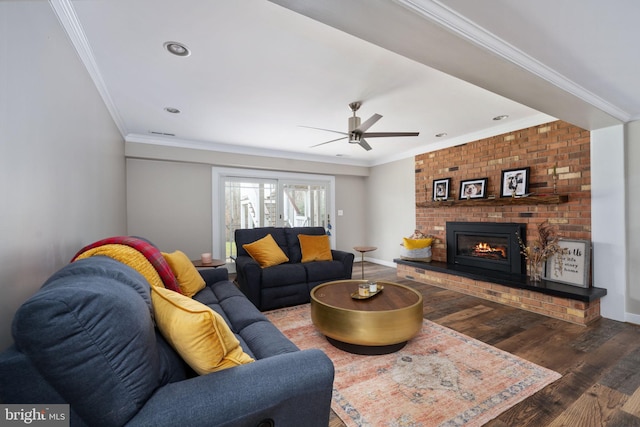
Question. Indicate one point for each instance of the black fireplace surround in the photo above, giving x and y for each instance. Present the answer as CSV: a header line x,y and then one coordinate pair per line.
x,y
486,245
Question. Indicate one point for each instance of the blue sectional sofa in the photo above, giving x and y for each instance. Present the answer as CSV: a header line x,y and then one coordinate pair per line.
x,y
289,283
87,338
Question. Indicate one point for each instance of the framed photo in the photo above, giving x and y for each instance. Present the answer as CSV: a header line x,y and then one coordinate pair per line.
x,y
515,182
473,189
575,268
441,189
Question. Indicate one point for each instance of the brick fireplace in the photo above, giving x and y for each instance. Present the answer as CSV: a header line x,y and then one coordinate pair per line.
x,y
558,155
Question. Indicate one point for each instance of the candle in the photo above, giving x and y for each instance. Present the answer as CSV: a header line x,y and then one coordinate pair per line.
x,y
206,258
363,290
373,287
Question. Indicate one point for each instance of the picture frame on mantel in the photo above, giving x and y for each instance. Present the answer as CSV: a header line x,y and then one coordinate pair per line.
x,y
441,189
473,189
575,268
515,182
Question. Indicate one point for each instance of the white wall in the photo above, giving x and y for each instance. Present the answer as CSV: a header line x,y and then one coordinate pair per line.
x,y
608,219
170,202
378,203
391,209
351,195
62,175
632,155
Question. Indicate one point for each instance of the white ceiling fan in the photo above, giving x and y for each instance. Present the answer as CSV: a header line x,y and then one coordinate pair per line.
x,y
358,131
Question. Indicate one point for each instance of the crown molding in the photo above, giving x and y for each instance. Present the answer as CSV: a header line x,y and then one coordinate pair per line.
x,y
69,20
435,11
239,149
508,126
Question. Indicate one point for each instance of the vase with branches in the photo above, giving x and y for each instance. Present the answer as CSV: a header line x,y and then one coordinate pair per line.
x,y
541,249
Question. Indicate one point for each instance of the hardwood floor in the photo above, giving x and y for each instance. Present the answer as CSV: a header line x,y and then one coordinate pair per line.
x,y
600,364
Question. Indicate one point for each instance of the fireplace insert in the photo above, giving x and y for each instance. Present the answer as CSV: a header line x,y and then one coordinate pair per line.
x,y
487,245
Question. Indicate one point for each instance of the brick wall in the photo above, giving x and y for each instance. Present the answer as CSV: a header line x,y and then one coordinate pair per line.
x,y
557,144
579,312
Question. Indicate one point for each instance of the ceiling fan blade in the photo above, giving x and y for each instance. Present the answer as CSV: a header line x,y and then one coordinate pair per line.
x,y
368,123
364,144
383,134
333,140
328,130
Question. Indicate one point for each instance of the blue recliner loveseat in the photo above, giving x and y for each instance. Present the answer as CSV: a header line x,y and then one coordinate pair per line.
x,y
289,283
87,338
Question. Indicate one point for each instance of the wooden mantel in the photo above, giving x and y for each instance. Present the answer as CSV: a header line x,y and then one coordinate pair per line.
x,y
542,199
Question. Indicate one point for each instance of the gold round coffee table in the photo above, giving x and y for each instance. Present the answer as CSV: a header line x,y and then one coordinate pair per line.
x,y
380,324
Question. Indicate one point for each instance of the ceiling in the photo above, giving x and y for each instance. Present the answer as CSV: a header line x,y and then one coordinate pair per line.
x,y
260,71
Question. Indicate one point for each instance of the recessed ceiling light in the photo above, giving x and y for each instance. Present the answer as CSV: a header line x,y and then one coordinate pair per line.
x,y
502,117
440,135
172,110
177,49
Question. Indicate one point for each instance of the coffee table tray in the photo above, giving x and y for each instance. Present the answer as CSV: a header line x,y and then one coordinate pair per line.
x,y
356,295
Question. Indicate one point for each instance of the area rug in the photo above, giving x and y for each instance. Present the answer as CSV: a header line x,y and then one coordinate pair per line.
x,y
440,378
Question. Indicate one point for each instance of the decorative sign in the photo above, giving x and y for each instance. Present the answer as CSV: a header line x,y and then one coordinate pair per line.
x,y
575,267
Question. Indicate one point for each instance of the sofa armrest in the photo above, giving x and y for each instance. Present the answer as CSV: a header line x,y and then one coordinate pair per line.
x,y
291,389
214,275
249,278
347,260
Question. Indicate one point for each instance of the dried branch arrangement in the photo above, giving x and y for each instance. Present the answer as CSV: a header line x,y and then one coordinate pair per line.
x,y
541,249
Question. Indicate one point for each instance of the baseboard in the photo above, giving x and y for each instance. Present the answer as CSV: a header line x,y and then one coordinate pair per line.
x,y
632,318
381,262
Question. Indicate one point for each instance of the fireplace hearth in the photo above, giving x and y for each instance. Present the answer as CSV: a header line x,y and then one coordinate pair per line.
x,y
488,246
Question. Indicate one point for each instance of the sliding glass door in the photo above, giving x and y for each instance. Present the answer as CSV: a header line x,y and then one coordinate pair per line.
x,y
248,203
251,199
304,204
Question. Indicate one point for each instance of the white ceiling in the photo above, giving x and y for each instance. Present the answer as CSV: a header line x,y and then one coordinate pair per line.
x,y
258,71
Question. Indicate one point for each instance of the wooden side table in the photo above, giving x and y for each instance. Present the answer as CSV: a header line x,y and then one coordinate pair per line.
x,y
362,250
214,263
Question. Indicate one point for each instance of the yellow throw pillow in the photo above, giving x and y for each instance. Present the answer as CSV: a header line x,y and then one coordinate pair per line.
x,y
266,252
189,280
129,256
416,243
315,248
196,332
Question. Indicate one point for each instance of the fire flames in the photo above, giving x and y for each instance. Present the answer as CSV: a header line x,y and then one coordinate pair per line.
x,y
485,248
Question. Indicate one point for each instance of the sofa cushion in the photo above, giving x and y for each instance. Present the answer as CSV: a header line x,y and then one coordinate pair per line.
x,y
283,274
322,271
266,252
90,333
198,333
293,243
265,340
242,236
189,280
237,310
315,248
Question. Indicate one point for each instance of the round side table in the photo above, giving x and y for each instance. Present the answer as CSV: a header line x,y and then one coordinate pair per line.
x,y
362,250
